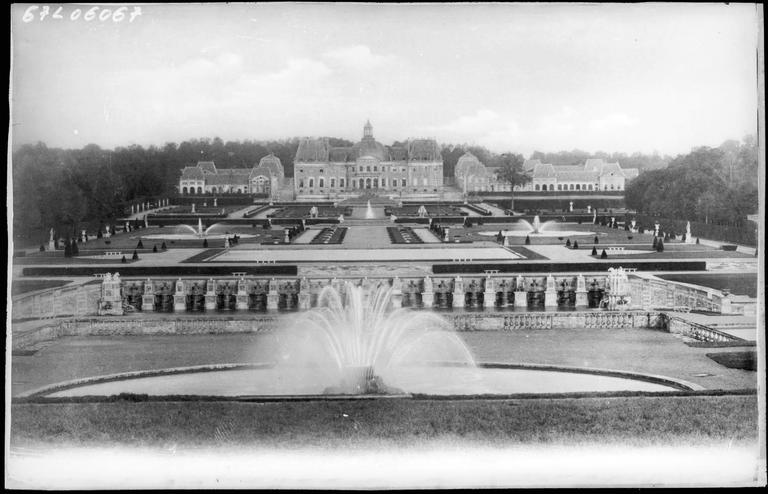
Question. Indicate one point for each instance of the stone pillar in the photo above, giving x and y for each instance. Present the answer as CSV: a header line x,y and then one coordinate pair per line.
x,y
305,300
521,296
210,295
428,295
447,236
458,292
581,292
148,298
725,304
287,239
489,296
397,293
242,295
550,295
179,297
272,296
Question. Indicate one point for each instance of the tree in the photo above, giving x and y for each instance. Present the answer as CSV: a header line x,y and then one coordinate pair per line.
x,y
511,171
135,256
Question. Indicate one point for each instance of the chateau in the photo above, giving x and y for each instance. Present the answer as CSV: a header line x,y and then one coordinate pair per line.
x,y
367,167
414,168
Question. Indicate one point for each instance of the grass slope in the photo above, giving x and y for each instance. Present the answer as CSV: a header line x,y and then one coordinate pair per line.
x,y
630,421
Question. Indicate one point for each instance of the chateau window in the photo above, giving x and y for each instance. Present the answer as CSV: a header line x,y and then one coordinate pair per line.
x,y
536,187
589,187
383,183
341,183
321,171
353,169
578,186
559,186
375,168
570,186
311,182
611,186
321,182
183,190
333,183
403,182
199,190
375,183
301,170
368,168
301,183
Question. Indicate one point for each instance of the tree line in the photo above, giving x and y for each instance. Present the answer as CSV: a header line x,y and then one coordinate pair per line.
x,y
711,185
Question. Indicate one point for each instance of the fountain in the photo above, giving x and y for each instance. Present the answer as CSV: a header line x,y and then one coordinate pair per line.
x,y
354,343
537,228
369,215
365,344
190,233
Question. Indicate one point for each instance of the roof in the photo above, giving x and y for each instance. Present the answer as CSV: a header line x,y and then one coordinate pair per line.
x,y
229,176
543,170
341,155
424,150
468,164
574,175
611,168
368,146
529,165
192,173
312,151
398,153
594,164
207,166
272,163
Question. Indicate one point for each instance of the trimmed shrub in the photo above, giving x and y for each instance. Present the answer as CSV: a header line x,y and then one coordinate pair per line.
x,y
124,260
655,242
75,250
594,251
575,244
527,240
604,255
42,248
135,256
68,249
205,242
697,240
660,246
568,243
596,240
163,247
154,248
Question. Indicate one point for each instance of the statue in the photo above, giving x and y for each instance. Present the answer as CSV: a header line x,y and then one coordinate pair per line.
x,y
458,284
427,285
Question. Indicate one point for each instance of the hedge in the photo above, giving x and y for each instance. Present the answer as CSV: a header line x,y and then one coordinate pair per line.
x,y
722,233
263,270
555,267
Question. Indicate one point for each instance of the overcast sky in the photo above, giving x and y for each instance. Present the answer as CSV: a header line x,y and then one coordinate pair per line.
x,y
510,77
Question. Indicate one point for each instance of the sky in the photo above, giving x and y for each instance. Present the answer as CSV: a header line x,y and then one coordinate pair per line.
x,y
510,77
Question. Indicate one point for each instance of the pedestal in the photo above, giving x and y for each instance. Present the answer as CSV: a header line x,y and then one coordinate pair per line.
x,y
51,245
550,298
242,301
489,299
147,303
210,302
458,299
179,303
581,299
272,300
521,299
397,299
304,301
427,299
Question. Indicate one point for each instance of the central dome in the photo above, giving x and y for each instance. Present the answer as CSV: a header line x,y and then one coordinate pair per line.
x,y
368,146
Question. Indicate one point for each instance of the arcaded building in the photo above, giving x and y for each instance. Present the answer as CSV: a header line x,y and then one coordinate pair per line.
x,y
264,178
595,175
367,167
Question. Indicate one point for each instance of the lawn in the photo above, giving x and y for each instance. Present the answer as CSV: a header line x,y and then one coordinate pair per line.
x,y
625,421
738,284
19,287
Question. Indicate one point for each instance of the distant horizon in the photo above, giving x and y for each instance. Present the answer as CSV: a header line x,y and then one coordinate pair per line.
x,y
509,77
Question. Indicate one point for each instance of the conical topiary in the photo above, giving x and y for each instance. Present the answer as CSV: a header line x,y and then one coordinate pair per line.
x,y
123,260
527,240
163,247
154,248
655,242
575,244
205,242
140,245
604,255
135,256
568,243
596,240
594,251
660,246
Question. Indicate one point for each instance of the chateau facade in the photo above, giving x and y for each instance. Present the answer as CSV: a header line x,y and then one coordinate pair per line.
x,y
367,167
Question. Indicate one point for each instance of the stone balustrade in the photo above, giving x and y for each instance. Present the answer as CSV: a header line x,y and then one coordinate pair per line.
x,y
677,325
